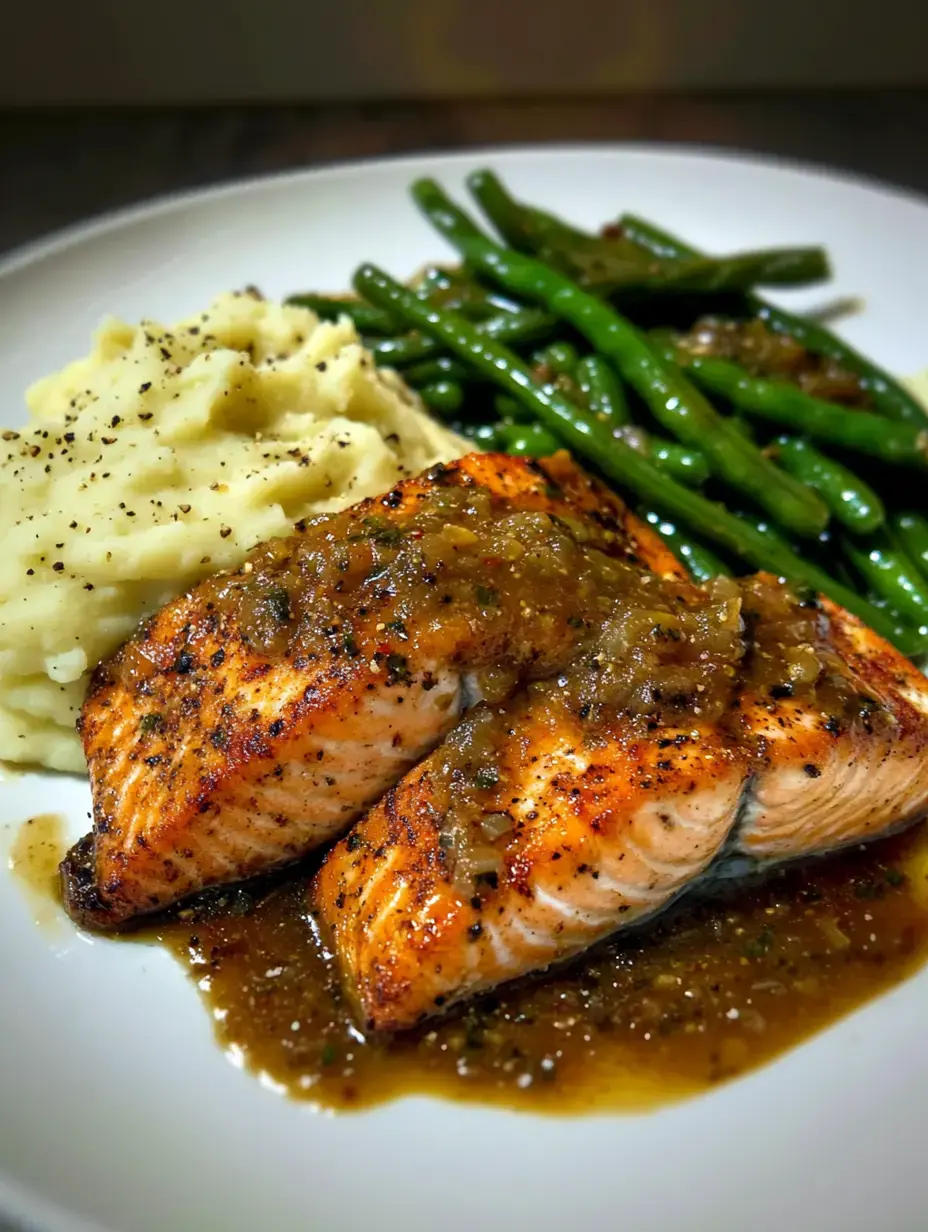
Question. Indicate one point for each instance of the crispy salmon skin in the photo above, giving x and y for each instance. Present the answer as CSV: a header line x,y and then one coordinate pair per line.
x,y
256,717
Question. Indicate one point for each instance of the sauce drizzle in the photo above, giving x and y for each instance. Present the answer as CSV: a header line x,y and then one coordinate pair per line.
x,y
34,858
719,988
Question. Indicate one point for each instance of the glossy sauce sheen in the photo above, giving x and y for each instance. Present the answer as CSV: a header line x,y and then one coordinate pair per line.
x,y
717,989
350,647
765,352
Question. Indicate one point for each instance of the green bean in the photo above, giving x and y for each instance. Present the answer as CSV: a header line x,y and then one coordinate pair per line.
x,y
485,435
742,426
852,501
455,288
443,397
395,352
560,357
433,278
505,213
511,409
531,230
770,267
524,228
685,465
601,390
911,532
588,437
688,466
781,402
682,464
657,242
887,395
609,265
607,273
764,527
673,401
528,440
445,288
367,319
524,326
890,573
902,627
701,564
443,368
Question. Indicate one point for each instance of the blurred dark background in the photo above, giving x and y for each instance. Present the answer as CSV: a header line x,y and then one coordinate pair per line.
x,y
107,102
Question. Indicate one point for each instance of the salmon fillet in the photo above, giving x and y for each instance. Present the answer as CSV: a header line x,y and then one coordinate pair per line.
x,y
601,836
257,717
823,781
597,843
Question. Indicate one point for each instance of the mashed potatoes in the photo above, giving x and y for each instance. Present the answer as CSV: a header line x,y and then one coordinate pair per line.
x,y
163,456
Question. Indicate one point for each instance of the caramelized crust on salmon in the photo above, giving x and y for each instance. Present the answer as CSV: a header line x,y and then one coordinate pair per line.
x,y
256,717
600,839
823,781
606,832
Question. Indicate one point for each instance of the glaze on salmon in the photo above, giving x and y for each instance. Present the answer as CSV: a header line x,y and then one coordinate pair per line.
x,y
822,781
258,716
597,843
604,829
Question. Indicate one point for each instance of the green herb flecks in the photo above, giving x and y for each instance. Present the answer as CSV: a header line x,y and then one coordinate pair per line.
x,y
278,604
398,670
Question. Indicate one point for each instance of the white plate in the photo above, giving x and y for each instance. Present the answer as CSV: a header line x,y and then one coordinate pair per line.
x,y
117,1110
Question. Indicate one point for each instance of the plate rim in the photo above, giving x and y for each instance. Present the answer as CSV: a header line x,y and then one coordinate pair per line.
x,y
61,239
26,1210
24,1206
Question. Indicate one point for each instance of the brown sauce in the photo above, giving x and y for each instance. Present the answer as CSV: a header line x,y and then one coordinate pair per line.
x,y
34,858
651,665
705,995
769,353
460,577
719,988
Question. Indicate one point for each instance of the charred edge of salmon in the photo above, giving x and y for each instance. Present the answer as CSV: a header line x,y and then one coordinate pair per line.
x,y
80,890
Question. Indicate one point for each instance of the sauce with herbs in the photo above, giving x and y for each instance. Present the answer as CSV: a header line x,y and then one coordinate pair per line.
x,y
458,576
769,353
447,582
687,1001
716,989
449,572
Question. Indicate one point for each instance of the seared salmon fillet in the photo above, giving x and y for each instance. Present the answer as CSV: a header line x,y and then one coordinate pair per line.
x,y
825,777
597,841
257,716
589,831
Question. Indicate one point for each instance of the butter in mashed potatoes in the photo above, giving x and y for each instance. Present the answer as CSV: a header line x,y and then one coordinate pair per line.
x,y
163,456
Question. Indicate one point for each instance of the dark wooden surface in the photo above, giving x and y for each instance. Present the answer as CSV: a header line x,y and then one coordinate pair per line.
x,y
59,167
